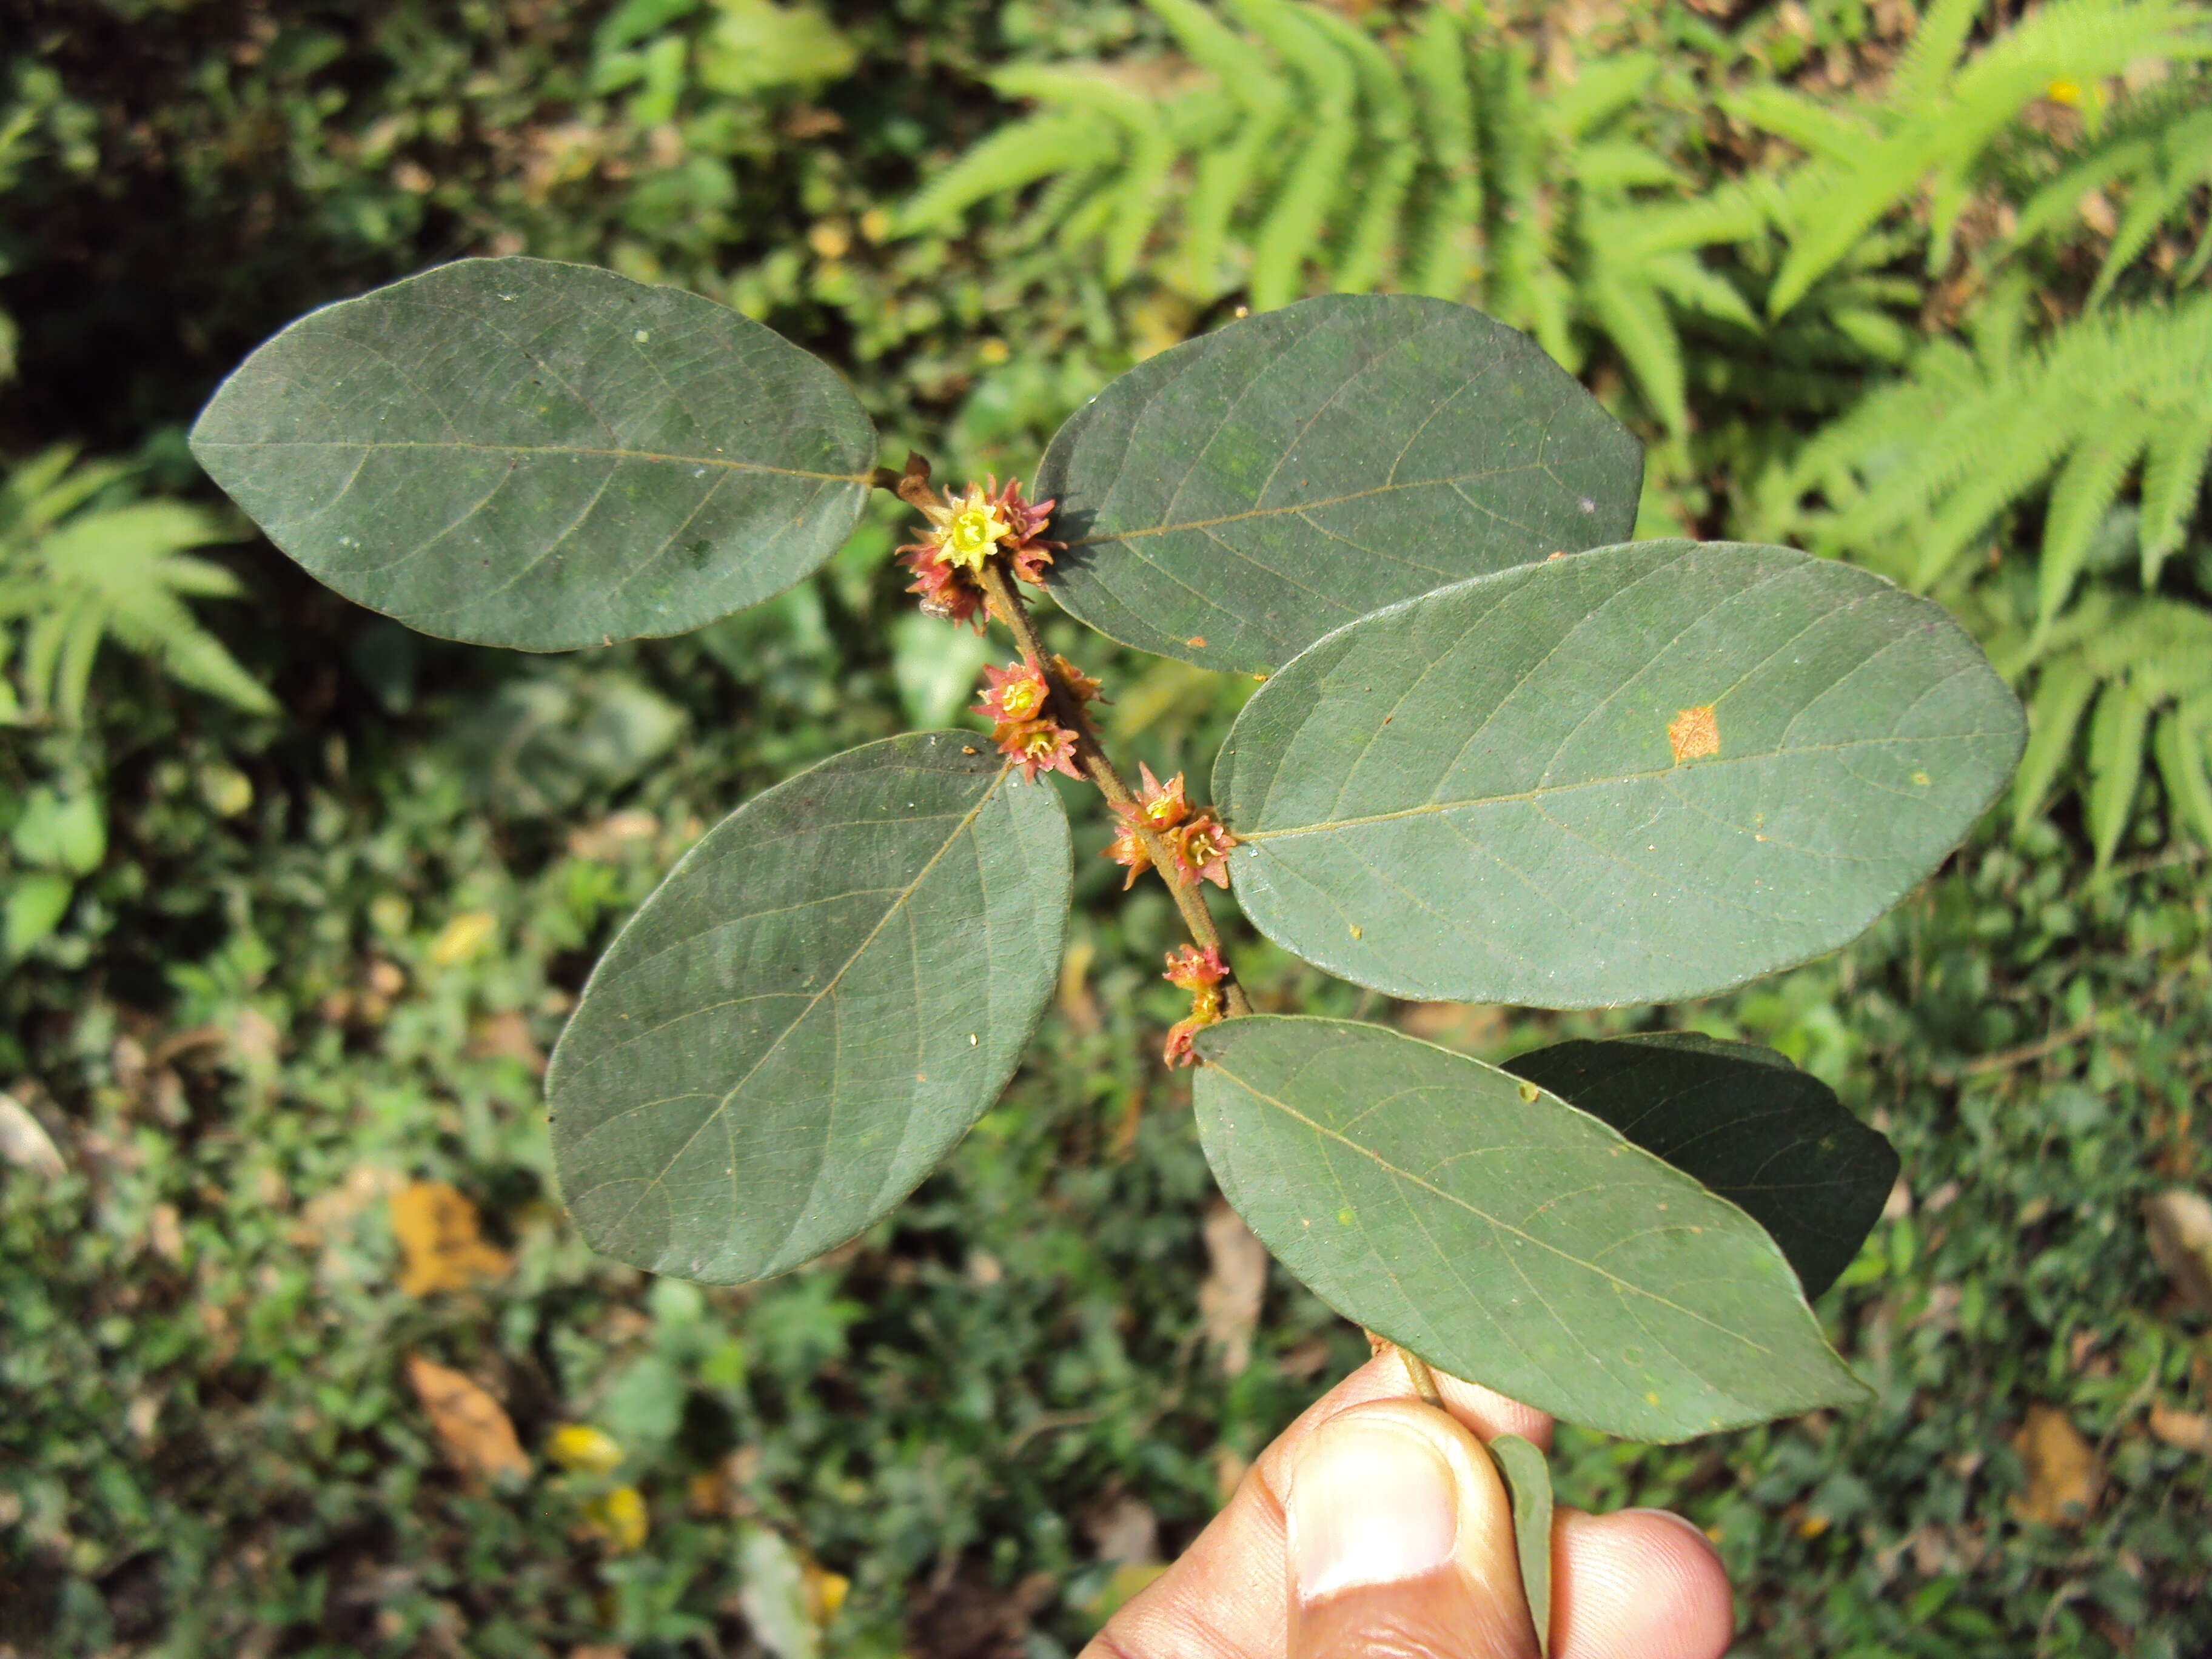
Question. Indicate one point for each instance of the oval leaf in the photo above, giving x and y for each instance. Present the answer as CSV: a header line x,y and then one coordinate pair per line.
x,y
1504,1237
1230,501
1527,1480
1634,775
822,997
544,456
1747,1124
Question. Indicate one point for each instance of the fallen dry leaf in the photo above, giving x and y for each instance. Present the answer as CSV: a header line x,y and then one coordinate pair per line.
x,y
2189,1431
2063,1478
436,1226
1077,1005
472,1426
1236,1281
506,1037
24,1141
2179,1225
462,938
603,843
1125,1532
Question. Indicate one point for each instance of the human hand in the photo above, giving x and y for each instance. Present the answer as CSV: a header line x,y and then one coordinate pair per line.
x,y
1376,1528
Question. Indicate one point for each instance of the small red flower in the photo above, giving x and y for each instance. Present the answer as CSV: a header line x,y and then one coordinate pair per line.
x,y
1029,552
1162,806
1125,849
1193,969
1203,845
1017,693
1080,685
1205,1011
965,530
1039,746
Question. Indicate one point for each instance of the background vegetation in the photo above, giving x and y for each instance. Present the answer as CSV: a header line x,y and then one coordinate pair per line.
x,y
293,902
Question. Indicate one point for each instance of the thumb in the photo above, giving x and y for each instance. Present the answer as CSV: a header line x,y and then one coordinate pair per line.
x,y
1400,1542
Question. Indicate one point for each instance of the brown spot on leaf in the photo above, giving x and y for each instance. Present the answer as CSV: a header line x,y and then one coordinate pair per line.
x,y
1196,642
1693,733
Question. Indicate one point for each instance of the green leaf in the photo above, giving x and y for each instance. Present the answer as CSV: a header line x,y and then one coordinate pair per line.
x,y
61,832
34,906
1635,775
1745,1123
1231,500
824,995
755,45
1504,1237
1527,1480
539,455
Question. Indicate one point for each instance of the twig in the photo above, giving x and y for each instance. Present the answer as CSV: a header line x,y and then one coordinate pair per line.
x,y
1423,1380
1006,606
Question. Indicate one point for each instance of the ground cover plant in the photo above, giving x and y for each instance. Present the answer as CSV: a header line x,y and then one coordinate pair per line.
x,y
282,1038
1619,773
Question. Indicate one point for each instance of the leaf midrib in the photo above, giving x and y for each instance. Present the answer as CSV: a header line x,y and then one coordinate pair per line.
x,y
1620,1285
893,908
650,455
1306,506
1543,791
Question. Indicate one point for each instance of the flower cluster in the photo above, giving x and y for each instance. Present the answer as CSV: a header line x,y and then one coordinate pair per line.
x,y
1199,840
965,530
1200,973
1019,705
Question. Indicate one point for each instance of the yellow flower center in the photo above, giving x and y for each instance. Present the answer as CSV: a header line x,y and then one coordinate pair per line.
x,y
1161,813
1022,699
973,532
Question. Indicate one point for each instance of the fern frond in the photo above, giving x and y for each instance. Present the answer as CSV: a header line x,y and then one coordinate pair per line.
x,y
2081,495
2182,159
2173,475
1393,156
77,573
1443,241
2182,744
1940,116
2117,730
2054,720
1290,231
1633,314
1820,130
1011,158
1601,88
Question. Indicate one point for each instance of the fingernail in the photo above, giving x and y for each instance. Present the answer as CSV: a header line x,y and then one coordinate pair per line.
x,y
1370,1503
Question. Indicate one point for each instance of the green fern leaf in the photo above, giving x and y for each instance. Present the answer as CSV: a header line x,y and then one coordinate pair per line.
x,y
2083,494
1011,158
2063,692
1290,233
1393,154
77,572
2116,730
1633,314
2180,743
1444,256
2174,476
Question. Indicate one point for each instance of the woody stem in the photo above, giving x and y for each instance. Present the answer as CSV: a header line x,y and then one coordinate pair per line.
x,y
1006,603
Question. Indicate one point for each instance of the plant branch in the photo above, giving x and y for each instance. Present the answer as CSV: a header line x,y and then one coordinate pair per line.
x,y
1006,605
